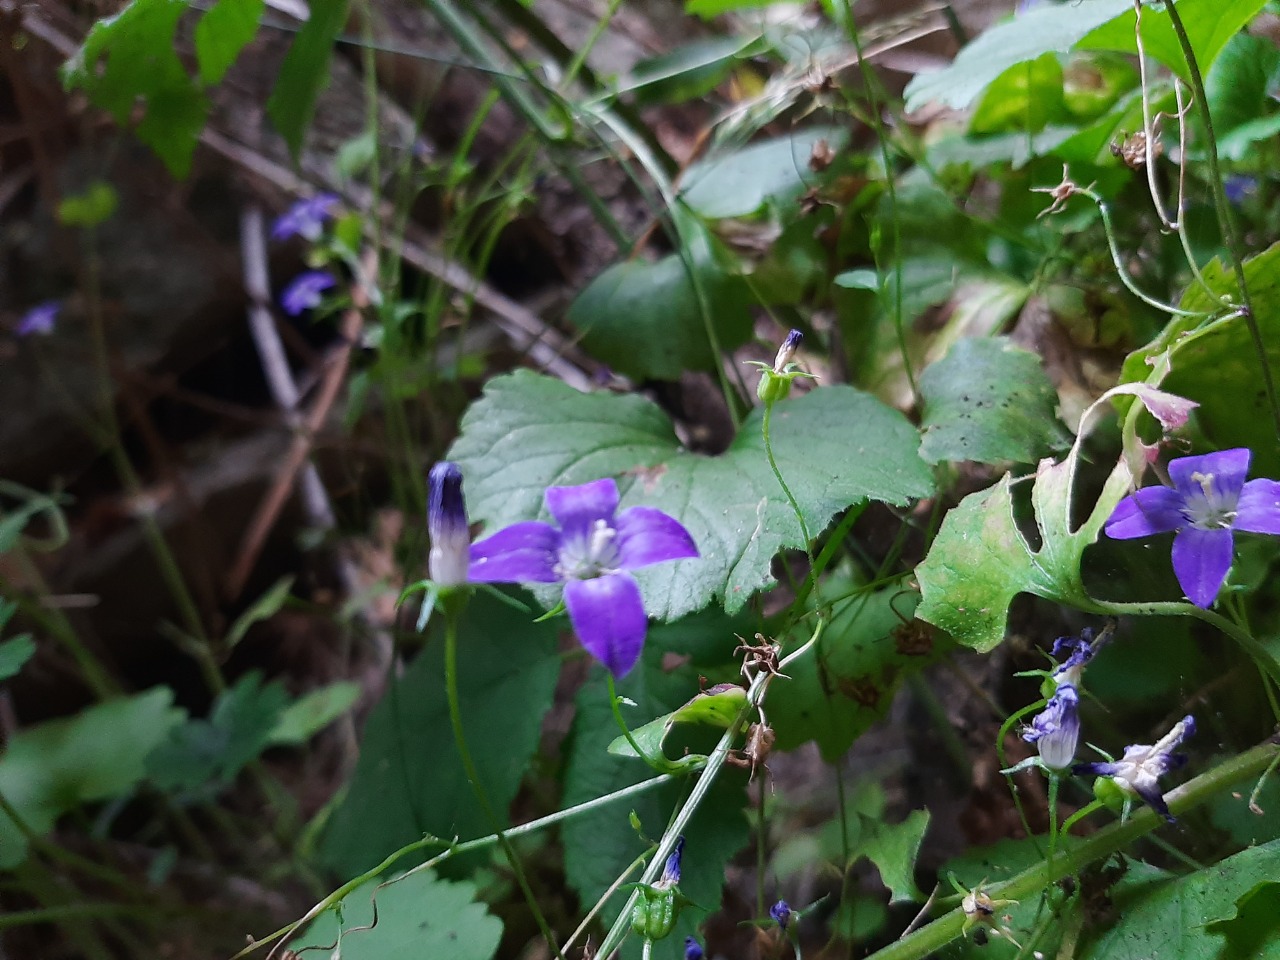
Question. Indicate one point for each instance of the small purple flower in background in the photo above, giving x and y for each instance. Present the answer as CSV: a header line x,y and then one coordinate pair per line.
x,y
304,292
305,218
781,912
591,554
1238,187
39,320
1208,502
447,525
692,949
1137,773
1055,730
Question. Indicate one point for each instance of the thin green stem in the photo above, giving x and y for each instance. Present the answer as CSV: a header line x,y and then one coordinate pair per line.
x,y
654,763
1106,841
773,465
473,776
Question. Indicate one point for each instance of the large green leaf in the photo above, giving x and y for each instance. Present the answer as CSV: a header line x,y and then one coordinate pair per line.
x,y
1026,98
1171,918
222,33
989,401
1239,89
848,682
835,446
1045,28
419,917
131,56
98,754
409,779
600,845
645,320
305,71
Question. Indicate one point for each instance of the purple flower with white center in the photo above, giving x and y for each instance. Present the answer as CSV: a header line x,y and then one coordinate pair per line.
x,y
590,553
305,291
1138,772
692,949
39,319
305,218
447,524
1055,730
1208,502
781,912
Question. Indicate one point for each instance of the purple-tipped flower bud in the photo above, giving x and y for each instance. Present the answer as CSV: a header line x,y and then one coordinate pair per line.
x,y
1055,730
787,352
450,556
781,912
671,872
692,949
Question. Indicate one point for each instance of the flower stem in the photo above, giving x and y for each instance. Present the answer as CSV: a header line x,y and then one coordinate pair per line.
x,y
473,776
773,465
658,764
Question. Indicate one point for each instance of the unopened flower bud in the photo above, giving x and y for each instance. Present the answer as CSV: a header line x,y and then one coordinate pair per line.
x,y
787,352
781,912
450,555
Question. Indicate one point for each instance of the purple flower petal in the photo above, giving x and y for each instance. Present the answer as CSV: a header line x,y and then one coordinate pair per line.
x,y
647,535
577,508
304,291
1227,467
608,617
1201,559
1146,512
39,319
305,218
1154,798
521,553
1096,769
1259,508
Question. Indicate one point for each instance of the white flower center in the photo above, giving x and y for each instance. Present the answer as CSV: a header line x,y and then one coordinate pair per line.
x,y
1212,511
594,554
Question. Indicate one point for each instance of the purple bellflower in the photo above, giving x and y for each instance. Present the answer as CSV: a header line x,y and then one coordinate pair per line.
x,y
39,319
591,553
305,218
447,524
781,912
1055,730
1208,502
1138,772
692,949
305,291
1078,651
671,869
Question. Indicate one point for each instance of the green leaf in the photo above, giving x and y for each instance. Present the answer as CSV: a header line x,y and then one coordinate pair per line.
x,y
419,917
713,8
14,654
893,848
310,714
88,209
1045,28
1209,25
222,33
211,752
599,845
1025,98
1216,364
848,683
1255,925
305,71
644,320
687,72
131,56
1172,918
52,768
717,707
267,605
836,447
1238,89
409,779
988,401
980,560
740,183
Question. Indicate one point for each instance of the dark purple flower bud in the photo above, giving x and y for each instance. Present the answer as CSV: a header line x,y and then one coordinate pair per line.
x,y
447,525
781,912
306,218
692,949
787,352
305,291
1056,729
671,872
39,319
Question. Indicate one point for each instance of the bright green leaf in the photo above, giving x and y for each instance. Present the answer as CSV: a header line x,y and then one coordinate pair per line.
x,y
713,8
305,71
740,182
988,401
1025,98
1239,89
267,605
88,209
893,848
409,778
14,654
419,917
222,33
836,447
310,714
52,768
1254,928
717,707
644,318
